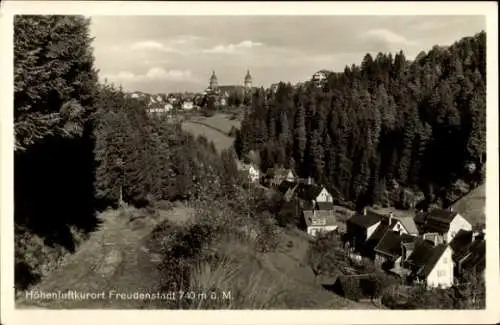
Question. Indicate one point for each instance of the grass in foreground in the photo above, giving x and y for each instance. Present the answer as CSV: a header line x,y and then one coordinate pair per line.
x,y
115,257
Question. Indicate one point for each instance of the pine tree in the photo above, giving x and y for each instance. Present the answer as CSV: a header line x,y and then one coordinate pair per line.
x,y
300,134
54,78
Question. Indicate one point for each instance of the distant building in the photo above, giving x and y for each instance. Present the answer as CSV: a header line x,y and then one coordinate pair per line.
x,y
187,105
313,193
251,171
223,92
213,84
319,78
248,81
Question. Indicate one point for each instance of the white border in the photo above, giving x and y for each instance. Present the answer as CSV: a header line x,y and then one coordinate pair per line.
x,y
11,316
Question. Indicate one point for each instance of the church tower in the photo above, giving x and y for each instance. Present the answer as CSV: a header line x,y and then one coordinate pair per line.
x,y
248,81
213,81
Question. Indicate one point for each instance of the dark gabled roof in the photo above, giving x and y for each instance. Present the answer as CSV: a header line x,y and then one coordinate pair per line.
x,y
285,186
441,215
436,254
476,256
365,221
421,254
438,220
308,192
324,206
390,243
379,232
460,244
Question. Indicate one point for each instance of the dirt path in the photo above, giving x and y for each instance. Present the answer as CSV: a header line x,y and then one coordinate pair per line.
x,y
114,259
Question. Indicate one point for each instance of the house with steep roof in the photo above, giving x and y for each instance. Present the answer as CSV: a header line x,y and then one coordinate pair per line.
x,y
431,264
313,193
251,171
393,249
319,217
360,227
390,222
319,221
442,225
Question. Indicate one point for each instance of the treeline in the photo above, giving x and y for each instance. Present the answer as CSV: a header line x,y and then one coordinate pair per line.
x,y
390,131
141,160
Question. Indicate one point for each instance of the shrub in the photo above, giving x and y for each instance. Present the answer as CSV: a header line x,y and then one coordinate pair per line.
x,y
349,287
34,259
248,287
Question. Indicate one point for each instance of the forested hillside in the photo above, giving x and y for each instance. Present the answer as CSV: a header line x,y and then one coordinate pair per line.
x,y
82,147
390,131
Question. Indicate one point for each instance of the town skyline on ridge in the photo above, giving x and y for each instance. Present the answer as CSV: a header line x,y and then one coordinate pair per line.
x,y
173,54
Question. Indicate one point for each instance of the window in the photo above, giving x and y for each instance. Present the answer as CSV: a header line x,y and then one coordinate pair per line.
x,y
441,273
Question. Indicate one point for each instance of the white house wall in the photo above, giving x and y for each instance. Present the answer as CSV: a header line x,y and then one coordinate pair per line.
x,y
400,228
314,230
324,196
456,224
442,274
370,230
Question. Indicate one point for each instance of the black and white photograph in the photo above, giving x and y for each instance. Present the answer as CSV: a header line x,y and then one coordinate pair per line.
x,y
245,161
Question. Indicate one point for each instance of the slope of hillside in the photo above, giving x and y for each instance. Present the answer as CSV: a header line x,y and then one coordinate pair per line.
x,y
221,140
220,122
114,258
472,206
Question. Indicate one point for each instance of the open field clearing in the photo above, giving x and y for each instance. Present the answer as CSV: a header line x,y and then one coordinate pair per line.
x,y
221,140
220,121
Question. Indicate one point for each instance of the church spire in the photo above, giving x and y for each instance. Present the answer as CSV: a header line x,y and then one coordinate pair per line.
x,y
213,81
248,80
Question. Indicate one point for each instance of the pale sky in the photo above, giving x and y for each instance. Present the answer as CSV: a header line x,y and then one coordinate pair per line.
x,y
177,53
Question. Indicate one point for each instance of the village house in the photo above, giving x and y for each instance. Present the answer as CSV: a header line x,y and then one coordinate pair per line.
x,y
187,105
393,249
441,226
360,227
319,217
313,193
319,221
364,231
251,171
275,176
431,264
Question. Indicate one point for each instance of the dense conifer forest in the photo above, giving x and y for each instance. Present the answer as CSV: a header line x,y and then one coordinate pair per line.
x,y
389,131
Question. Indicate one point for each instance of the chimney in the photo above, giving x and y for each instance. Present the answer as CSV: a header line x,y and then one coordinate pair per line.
x,y
390,218
364,211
